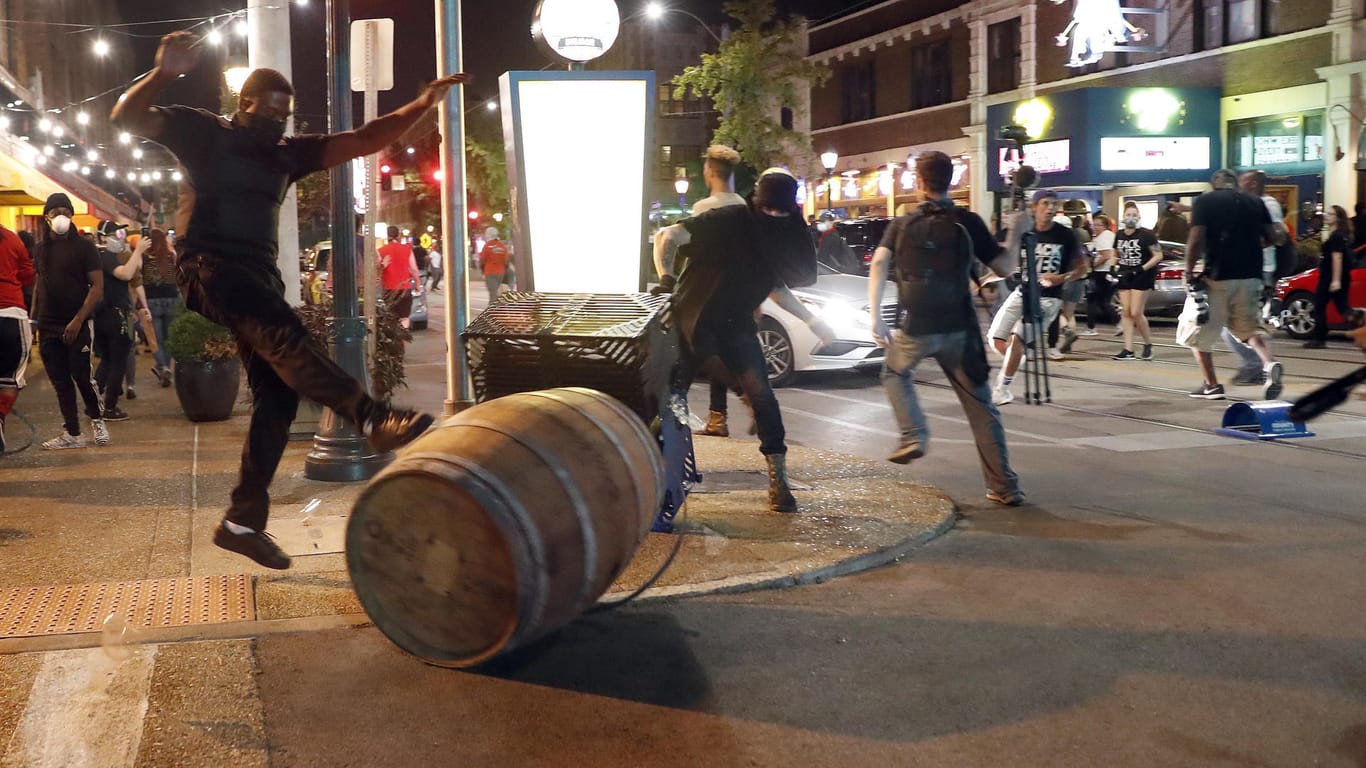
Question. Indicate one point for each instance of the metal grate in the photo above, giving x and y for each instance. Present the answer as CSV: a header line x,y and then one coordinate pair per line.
x,y
614,343
75,608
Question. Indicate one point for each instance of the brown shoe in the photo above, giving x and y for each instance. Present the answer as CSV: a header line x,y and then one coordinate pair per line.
x,y
780,498
716,425
257,545
396,428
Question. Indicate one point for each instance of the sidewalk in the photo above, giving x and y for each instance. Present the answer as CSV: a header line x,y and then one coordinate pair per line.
x,y
144,509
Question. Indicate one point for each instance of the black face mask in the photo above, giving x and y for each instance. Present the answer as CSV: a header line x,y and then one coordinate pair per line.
x,y
263,129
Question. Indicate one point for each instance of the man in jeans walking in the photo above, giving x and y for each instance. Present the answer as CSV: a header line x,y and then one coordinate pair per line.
x,y
929,253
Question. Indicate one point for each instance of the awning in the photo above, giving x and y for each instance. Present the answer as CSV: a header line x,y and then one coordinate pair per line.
x,y
23,185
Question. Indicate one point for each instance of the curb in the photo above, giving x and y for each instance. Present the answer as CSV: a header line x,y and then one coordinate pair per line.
x,y
777,579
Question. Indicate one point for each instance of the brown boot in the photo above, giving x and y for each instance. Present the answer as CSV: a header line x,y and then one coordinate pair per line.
x,y
716,425
780,497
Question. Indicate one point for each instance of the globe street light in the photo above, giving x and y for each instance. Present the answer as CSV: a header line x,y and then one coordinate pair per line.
x,y
681,187
829,159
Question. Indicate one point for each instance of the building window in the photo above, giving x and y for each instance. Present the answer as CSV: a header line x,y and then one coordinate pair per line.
x,y
672,160
1003,56
1227,22
1265,142
689,106
785,118
931,75
856,92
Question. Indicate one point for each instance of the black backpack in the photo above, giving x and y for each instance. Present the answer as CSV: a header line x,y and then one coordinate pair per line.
x,y
932,266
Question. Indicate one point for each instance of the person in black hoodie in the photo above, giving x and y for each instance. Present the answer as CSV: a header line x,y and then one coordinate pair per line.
x,y
732,268
70,287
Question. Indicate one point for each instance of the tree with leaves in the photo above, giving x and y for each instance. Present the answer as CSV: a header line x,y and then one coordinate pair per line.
x,y
753,75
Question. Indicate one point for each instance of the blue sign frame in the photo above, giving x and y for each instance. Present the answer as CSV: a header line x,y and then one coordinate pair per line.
x,y
1087,115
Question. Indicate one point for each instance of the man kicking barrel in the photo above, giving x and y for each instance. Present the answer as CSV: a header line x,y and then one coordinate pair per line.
x,y
240,169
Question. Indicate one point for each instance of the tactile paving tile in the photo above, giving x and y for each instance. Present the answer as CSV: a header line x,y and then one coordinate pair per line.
x,y
74,608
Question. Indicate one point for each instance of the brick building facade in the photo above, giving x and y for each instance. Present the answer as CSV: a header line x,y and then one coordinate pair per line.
x,y
1257,82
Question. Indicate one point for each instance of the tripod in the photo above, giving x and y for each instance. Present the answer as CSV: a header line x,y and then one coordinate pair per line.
x,y
1035,332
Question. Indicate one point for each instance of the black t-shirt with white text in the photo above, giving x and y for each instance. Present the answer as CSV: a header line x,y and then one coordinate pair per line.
x,y
1234,224
1136,248
1055,253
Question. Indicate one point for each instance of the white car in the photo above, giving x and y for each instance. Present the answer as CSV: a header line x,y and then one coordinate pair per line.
x,y
842,301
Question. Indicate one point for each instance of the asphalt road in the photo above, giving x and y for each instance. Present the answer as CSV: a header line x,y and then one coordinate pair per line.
x,y
1169,597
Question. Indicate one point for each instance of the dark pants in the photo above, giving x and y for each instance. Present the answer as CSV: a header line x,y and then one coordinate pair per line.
x,y
1098,309
1321,298
720,393
736,361
68,368
282,362
112,344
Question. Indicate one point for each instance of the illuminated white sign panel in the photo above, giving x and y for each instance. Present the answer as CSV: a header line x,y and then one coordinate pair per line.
x,y
1155,154
1045,157
563,122
1269,150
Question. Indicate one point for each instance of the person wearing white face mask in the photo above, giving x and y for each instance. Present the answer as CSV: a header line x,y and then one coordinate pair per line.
x,y
70,286
1138,255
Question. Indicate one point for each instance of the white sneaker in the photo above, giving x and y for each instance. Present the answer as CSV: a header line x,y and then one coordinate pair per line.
x,y
1088,332
63,441
1001,395
1054,354
101,431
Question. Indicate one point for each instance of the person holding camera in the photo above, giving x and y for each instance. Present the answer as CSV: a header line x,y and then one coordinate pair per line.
x,y
1228,230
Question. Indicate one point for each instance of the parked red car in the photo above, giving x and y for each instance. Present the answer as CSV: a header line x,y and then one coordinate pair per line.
x,y
1292,308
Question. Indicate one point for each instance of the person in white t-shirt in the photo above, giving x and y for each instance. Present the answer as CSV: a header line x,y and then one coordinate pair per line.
x,y
1102,261
1249,364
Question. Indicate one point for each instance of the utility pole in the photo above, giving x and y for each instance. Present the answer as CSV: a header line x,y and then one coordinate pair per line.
x,y
451,120
340,453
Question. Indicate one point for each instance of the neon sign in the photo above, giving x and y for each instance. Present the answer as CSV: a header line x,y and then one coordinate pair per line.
x,y
1097,26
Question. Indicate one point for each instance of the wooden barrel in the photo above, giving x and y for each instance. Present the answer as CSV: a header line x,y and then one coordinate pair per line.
x,y
503,523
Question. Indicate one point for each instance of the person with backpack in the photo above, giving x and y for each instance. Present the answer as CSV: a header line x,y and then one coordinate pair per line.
x,y
738,255
929,253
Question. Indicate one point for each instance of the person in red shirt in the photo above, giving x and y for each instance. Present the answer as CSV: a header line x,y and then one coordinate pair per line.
x,y
16,336
493,262
398,275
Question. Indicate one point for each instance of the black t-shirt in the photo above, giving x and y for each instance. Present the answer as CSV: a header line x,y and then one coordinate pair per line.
x,y
239,183
984,249
115,290
1234,224
1134,250
1336,243
64,265
1055,253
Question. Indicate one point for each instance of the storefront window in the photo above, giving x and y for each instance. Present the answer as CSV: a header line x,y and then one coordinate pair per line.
x,y
1289,138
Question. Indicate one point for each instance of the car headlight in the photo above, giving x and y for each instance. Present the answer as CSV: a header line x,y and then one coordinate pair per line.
x,y
837,313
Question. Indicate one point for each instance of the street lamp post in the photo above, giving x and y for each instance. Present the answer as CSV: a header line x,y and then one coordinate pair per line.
x,y
829,160
681,187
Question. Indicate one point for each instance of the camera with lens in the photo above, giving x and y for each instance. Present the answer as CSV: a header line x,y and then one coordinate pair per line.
x,y
1014,134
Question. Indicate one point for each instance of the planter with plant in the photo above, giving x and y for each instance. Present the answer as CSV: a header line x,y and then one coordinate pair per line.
x,y
386,370
207,369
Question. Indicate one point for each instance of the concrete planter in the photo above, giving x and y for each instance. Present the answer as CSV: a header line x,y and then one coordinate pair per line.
x,y
208,390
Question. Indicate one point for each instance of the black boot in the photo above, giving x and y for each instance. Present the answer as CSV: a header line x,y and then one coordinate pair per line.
x,y
780,497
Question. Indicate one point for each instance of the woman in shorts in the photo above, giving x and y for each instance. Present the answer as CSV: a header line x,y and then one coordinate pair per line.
x,y
1138,255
